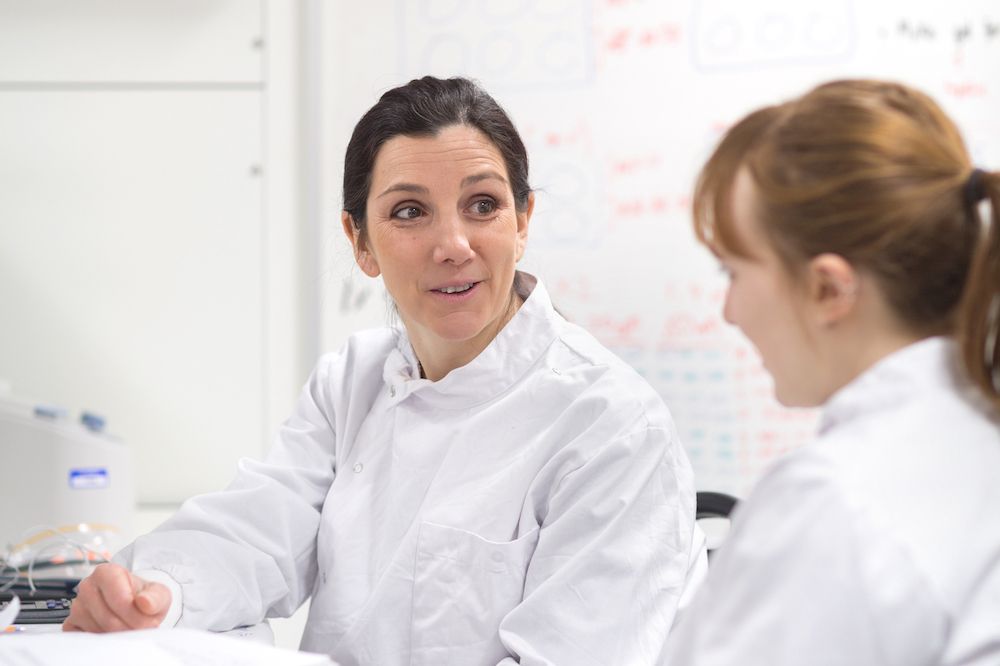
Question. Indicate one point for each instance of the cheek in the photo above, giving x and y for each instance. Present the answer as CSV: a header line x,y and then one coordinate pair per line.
x,y
728,306
394,247
495,243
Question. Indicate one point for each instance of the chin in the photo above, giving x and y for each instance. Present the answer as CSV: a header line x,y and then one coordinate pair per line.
x,y
460,332
786,401
788,398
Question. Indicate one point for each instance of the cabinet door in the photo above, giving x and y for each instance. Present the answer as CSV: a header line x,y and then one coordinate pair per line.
x,y
132,271
130,41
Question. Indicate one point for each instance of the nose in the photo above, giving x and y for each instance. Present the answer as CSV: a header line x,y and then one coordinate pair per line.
x,y
452,244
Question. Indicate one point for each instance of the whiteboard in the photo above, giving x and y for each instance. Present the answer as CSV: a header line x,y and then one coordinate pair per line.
x,y
619,103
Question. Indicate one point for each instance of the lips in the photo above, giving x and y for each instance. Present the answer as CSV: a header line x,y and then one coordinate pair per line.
x,y
456,287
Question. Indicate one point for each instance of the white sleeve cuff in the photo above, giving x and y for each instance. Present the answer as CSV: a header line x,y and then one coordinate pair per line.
x,y
176,596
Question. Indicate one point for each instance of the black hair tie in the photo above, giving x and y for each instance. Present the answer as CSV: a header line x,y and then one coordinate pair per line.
x,y
975,189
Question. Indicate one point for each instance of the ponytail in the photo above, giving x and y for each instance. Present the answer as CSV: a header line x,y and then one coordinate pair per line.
x,y
978,322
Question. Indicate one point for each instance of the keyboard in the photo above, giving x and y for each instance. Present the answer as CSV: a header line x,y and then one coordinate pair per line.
x,y
49,603
42,611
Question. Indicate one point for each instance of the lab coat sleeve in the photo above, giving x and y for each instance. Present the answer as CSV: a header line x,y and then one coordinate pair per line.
x,y
249,551
612,558
806,578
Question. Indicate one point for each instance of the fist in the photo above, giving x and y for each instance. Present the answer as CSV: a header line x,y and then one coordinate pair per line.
x,y
113,599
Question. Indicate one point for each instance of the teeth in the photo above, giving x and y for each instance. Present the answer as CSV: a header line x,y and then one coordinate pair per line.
x,y
455,290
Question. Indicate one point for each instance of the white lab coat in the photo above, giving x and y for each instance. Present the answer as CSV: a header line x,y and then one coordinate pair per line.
x,y
877,544
533,506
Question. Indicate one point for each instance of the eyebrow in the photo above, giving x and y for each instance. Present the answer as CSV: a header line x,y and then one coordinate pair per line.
x,y
420,189
485,175
404,187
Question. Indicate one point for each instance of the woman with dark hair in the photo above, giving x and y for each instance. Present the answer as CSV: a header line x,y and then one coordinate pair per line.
x,y
849,222
481,484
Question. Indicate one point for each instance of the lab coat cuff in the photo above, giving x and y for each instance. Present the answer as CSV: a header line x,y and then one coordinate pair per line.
x,y
176,596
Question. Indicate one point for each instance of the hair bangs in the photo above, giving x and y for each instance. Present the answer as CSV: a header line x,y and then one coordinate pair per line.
x,y
712,206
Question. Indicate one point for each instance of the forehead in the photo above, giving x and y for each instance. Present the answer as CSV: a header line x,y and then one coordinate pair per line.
x,y
457,149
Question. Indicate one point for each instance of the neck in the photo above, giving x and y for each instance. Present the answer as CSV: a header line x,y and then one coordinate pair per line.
x,y
856,348
874,352
437,357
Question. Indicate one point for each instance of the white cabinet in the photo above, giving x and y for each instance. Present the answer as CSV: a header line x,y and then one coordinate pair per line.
x,y
131,41
141,258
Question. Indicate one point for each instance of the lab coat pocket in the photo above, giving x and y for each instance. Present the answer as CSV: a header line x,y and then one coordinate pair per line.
x,y
463,587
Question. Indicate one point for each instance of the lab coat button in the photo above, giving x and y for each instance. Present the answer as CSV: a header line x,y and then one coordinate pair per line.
x,y
392,391
358,467
497,556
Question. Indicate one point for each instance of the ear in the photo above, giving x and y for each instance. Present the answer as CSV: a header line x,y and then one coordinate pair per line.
x,y
833,288
523,220
362,255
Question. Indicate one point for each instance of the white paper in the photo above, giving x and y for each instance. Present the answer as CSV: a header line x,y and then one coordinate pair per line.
x,y
152,647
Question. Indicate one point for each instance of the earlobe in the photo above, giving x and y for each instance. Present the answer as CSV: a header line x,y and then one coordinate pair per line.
x,y
833,288
523,220
366,261
362,256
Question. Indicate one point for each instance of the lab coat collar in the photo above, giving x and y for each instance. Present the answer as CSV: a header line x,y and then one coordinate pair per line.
x,y
931,362
506,359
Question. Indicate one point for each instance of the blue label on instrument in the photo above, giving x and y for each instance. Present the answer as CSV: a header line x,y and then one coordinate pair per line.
x,y
88,478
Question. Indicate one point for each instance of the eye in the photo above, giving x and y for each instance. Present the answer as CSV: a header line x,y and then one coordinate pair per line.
x,y
407,213
483,207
